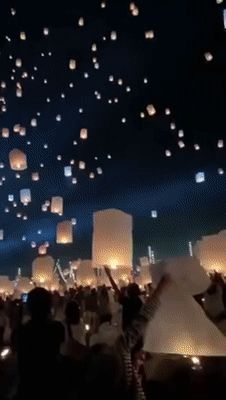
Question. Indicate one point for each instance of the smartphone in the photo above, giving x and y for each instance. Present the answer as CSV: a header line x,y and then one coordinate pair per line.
x,y
24,297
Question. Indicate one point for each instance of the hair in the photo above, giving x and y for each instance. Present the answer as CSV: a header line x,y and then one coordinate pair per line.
x,y
39,303
133,290
72,313
105,318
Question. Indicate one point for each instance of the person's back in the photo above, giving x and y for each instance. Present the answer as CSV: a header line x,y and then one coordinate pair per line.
x,y
37,344
131,305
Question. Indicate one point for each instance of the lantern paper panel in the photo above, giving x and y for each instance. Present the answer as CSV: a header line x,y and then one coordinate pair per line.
x,y
83,133
57,205
112,238
211,252
42,270
18,160
25,196
181,327
6,286
24,285
64,232
67,171
85,275
122,275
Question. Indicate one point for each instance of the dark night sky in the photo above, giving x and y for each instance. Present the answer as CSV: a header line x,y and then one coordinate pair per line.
x,y
139,177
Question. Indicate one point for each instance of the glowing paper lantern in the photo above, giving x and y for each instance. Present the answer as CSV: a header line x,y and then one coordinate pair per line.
x,y
85,273
46,31
18,62
19,92
35,176
10,197
220,171
64,232
24,285
6,286
168,153
82,165
167,111
73,221
196,146
1,234
112,238
34,122
200,177
18,160
16,128
154,214
99,171
22,36
67,171
42,249
181,144
42,270
72,64
22,131
208,56
92,175
57,205
113,35
210,251
5,132
224,13
81,21
84,133
25,196
220,144
172,125
151,110
149,34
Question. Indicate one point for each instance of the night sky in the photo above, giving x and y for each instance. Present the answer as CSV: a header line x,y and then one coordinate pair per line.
x,y
168,71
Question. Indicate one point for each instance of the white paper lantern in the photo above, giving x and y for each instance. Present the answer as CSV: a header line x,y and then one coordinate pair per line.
x,y
168,153
83,133
196,146
149,34
22,35
22,131
33,122
99,171
154,214
5,132
85,274
82,165
220,144
35,176
112,238
46,31
42,249
19,92
200,177
25,196
210,251
18,62
16,128
72,64
24,285
208,56
67,171
151,109
57,205
64,233
18,160
42,270
81,21
113,35
1,234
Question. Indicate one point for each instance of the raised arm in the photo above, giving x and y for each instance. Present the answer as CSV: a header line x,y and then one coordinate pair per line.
x,y
136,330
112,282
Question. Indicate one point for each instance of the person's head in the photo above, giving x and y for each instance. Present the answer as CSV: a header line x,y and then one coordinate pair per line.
x,y
72,313
105,318
39,303
104,292
93,292
133,290
212,289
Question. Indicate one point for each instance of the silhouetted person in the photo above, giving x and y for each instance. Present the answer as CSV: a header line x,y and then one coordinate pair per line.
x,y
37,344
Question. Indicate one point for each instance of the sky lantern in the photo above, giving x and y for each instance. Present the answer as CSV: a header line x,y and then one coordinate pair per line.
x,y
5,132
18,160
1,234
168,153
154,214
46,31
16,128
18,62
22,131
85,274
81,21
196,146
23,36
91,175
42,250
33,122
99,171
42,270
72,64
67,171
57,205
24,285
83,133
25,196
19,92
113,35
200,177
35,176
151,109
64,234
112,239
82,165
149,34
6,286
172,126
208,56
220,144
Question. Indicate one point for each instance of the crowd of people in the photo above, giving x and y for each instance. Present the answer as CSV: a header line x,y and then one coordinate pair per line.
x,y
87,343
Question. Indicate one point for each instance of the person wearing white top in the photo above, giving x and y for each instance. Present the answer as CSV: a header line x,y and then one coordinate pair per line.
x,y
107,333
